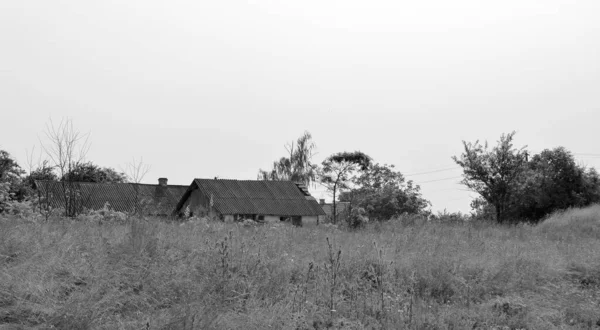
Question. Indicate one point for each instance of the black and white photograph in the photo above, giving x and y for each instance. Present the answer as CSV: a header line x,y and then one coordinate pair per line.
x,y
299,165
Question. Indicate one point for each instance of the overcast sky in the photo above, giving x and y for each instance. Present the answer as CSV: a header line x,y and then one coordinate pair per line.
x,y
216,88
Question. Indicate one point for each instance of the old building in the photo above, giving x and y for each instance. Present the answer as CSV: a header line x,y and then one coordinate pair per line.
x,y
149,199
342,210
234,200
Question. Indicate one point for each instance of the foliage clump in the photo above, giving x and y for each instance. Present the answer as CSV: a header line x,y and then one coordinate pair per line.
x,y
104,215
384,193
514,187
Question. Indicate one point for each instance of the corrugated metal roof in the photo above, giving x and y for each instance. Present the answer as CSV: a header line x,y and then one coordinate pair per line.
x,y
121,196
282,198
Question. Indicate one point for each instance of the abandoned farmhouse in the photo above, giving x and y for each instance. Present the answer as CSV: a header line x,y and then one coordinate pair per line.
x,y
266,201
228,200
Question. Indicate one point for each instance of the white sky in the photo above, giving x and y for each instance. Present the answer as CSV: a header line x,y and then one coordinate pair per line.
x,y
216,88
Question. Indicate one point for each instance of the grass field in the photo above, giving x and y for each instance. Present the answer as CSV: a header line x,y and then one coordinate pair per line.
x,y
403,274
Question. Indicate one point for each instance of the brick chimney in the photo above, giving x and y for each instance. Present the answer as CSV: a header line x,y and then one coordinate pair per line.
x,y
163,182
322,201
161,189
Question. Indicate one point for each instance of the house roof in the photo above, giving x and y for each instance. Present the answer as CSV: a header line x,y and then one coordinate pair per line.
x,y
284,198
121,196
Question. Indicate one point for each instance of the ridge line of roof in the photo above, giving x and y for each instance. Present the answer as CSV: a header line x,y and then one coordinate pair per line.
x,y
116,183
294,182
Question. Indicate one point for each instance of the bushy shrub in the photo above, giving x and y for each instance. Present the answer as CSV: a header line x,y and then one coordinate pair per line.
x,y
23,209
446,216
384,193
357,218
4,195
105,214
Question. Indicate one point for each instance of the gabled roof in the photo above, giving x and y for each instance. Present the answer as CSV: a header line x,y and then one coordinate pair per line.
x,y
283,198
121,196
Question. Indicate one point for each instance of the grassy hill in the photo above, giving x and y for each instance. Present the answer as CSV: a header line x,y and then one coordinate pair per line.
x,y
402,274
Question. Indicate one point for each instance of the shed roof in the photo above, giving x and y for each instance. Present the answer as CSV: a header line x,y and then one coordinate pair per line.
x,y
121,196
283,198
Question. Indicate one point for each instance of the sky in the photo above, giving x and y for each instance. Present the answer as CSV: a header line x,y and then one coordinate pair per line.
x,y
200,89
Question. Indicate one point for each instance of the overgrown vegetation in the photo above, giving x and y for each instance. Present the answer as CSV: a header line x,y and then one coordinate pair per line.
x,y
409,273
384,194
298,166
513,187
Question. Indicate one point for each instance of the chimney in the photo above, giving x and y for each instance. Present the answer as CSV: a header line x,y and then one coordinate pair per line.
x,y
322,201
161,189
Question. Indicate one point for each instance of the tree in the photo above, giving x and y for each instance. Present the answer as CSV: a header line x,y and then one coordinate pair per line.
x,y
383,193
39,170
337,172
481,209
553,181
43,172
9,168
298,166
90,172
66,148
136,170
493,174
10,177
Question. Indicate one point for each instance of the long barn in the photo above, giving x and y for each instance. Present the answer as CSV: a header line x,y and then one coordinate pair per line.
x,y
150,199
233,200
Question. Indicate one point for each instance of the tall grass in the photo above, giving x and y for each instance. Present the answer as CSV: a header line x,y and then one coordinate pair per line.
x,y
148,274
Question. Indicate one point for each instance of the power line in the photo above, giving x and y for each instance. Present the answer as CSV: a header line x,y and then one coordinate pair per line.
x,y
454,177
585,154
434,171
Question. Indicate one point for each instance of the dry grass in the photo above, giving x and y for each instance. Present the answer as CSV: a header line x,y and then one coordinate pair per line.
x,y
402,274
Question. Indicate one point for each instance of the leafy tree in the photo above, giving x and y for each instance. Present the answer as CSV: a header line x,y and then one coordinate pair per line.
x,y
90,172
9,168
298,166
553,181
481,209
5,196
10,177
41,173
494,173
338,170
383,193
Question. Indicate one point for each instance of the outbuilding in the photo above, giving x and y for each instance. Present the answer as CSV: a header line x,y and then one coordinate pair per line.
x,y
147,199
263,201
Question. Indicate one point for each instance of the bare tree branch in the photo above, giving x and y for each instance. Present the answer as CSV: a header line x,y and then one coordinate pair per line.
x,y
66,148
136,170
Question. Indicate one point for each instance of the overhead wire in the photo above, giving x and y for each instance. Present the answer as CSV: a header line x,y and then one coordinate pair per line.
x,y
586,154
433,171
454,177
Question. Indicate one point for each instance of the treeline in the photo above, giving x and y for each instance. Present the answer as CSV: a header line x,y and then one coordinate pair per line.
x,y
513,185
373,191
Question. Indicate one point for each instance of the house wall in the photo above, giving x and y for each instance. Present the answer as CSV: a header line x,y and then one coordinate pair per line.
x,y
198,204
271,218
310,220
